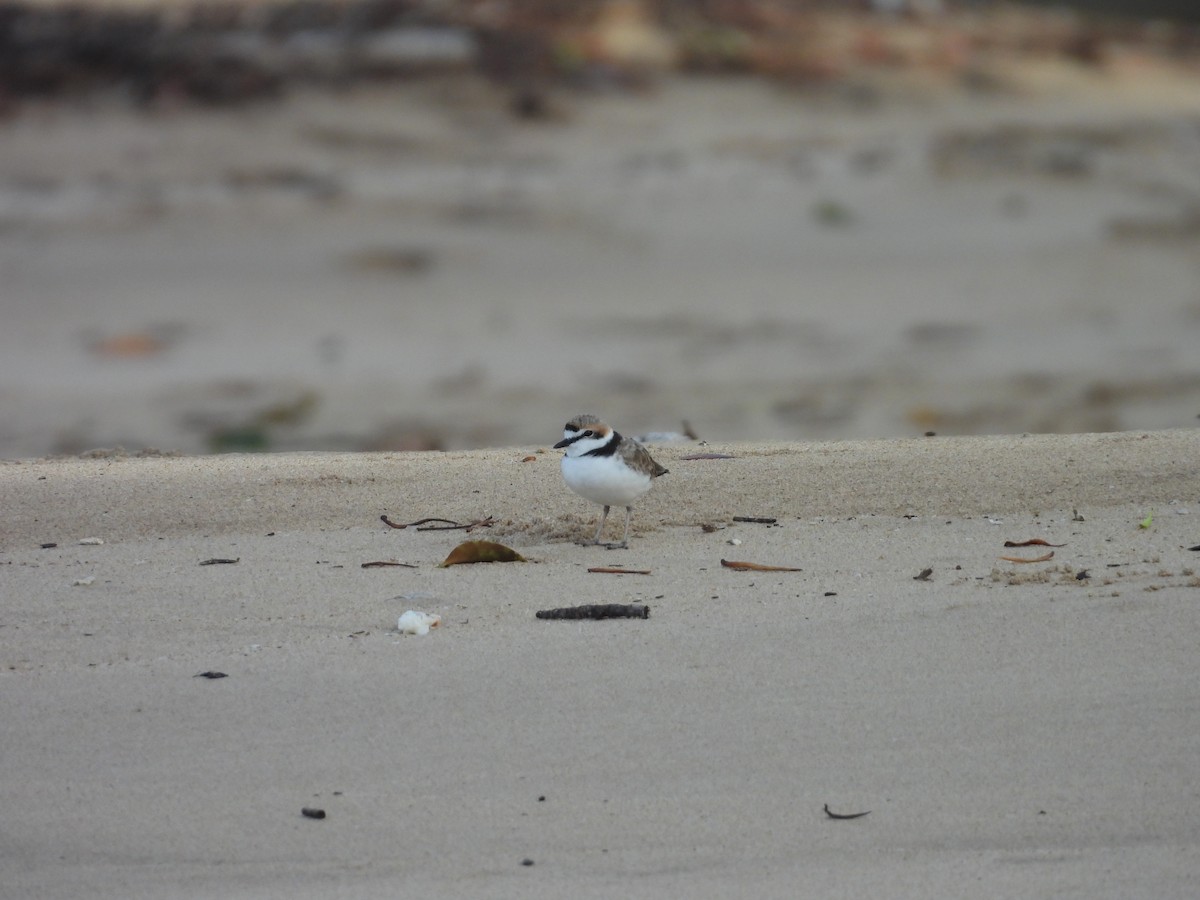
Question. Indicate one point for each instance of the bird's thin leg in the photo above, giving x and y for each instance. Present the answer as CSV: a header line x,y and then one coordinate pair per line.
x,y
624,545
600,529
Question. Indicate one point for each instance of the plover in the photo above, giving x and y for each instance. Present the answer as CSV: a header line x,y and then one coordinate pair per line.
x,y
604,467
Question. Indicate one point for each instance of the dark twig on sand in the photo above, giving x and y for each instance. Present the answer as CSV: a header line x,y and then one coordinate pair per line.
x,y
598,611
834,815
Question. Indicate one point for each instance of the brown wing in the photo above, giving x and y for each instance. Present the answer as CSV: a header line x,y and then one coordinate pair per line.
x,y
639,458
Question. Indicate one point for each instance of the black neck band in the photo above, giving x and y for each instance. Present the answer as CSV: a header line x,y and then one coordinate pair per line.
x,y
607,449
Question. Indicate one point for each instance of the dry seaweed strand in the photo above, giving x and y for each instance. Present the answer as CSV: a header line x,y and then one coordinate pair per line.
x,y
597,611
613,570
468,527
1032,542
219,561
447,524
755,567
390,524
380,563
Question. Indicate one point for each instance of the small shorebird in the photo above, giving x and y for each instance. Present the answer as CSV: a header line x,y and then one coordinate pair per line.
x,y
604,467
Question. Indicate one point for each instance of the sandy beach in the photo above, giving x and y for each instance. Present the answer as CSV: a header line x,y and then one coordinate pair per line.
x,y
918,309
1013,729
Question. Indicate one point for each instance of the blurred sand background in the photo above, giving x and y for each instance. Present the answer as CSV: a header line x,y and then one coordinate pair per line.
x,y
457,228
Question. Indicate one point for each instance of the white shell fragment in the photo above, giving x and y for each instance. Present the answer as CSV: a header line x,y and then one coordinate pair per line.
x,y
413,622
83,582
91,542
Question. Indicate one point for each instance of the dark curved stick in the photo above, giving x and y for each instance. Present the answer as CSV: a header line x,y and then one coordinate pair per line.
x,y
597,611
834,815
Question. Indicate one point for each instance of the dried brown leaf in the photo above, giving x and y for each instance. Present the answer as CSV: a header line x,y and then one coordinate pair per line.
x,y
480,551
134,345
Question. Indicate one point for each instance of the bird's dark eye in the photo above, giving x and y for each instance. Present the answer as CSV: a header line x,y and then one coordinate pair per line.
x,y
589,433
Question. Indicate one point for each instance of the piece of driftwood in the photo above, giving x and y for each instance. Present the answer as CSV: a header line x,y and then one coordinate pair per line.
x,y
598,611
755,567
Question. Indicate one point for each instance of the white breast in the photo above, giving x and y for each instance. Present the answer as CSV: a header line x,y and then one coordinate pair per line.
x,y
604,479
